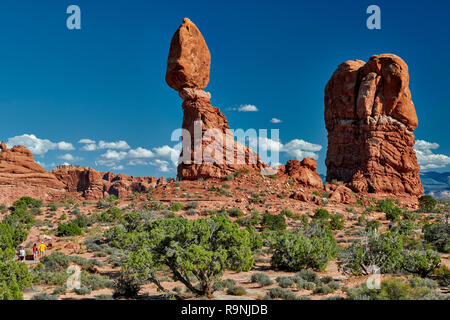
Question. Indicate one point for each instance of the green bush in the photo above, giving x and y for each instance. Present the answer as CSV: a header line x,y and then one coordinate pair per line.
x,y
373,226
285,282
262,279
282,293
310,247
68,229
192,249
176,206
438,235
321,214
236,291
384,251
55,262
421,262
127,285
44,296
337,222
235,212
273,222
392,211
427,203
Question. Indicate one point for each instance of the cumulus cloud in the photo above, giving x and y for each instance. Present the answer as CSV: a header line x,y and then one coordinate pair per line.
x,y
427,158
86,141
162,165
69,157
300,149
247,108
38,146
90,145
275,120
296,148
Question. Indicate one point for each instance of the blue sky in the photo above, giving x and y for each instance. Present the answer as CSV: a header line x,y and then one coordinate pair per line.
x,y
106,83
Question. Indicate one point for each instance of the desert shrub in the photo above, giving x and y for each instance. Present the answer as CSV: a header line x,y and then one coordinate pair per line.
x,y
421,262
256,239
321,214
373,226
86,264
235,212
387,206
81,220
96,282
14,276
192,249
27,202
68,229
282,293
405,227
44,296
443,275
285,282
397,289
310,247
82,291
236,291
308,275
337,222
59,291
127,285
102,204
113,214
438,235
273,222
288,213
226,283
384,251
323,289
55,262
262,279
176,206
427,203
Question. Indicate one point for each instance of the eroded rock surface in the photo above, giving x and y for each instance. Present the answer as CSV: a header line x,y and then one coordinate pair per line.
x,y
370,119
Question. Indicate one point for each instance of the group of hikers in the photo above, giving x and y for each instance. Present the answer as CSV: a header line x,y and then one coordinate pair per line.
x,y
38,251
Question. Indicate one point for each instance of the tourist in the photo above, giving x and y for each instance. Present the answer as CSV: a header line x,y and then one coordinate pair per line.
x,y
35,251
42,248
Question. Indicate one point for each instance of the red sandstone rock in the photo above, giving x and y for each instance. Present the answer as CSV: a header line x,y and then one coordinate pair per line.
x,y
369,116
188,72
21,176
86,181
189,58
303,172
341,194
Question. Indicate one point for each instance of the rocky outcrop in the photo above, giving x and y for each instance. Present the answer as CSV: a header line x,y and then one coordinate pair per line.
x,y
370,119
122,185
208,151
21,176
304,172
85,181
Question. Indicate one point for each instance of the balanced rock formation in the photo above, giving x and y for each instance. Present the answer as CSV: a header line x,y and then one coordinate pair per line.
x,y
370,119
204,155
21,176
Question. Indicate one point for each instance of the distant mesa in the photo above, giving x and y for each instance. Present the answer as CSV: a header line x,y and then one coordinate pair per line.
x,y
20,175
370,119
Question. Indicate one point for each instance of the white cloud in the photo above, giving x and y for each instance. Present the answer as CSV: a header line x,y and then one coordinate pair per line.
x,y
38,146
247,108
426,158
69,157
300,149
47,166
275,120
162,165
91,146
167,152
86,141
114,155
297,148
140,153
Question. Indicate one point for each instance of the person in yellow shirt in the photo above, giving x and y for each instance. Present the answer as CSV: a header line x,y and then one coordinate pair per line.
x,y
41,249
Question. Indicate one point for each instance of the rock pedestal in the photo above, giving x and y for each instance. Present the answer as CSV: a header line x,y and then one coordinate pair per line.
x,y
370,119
